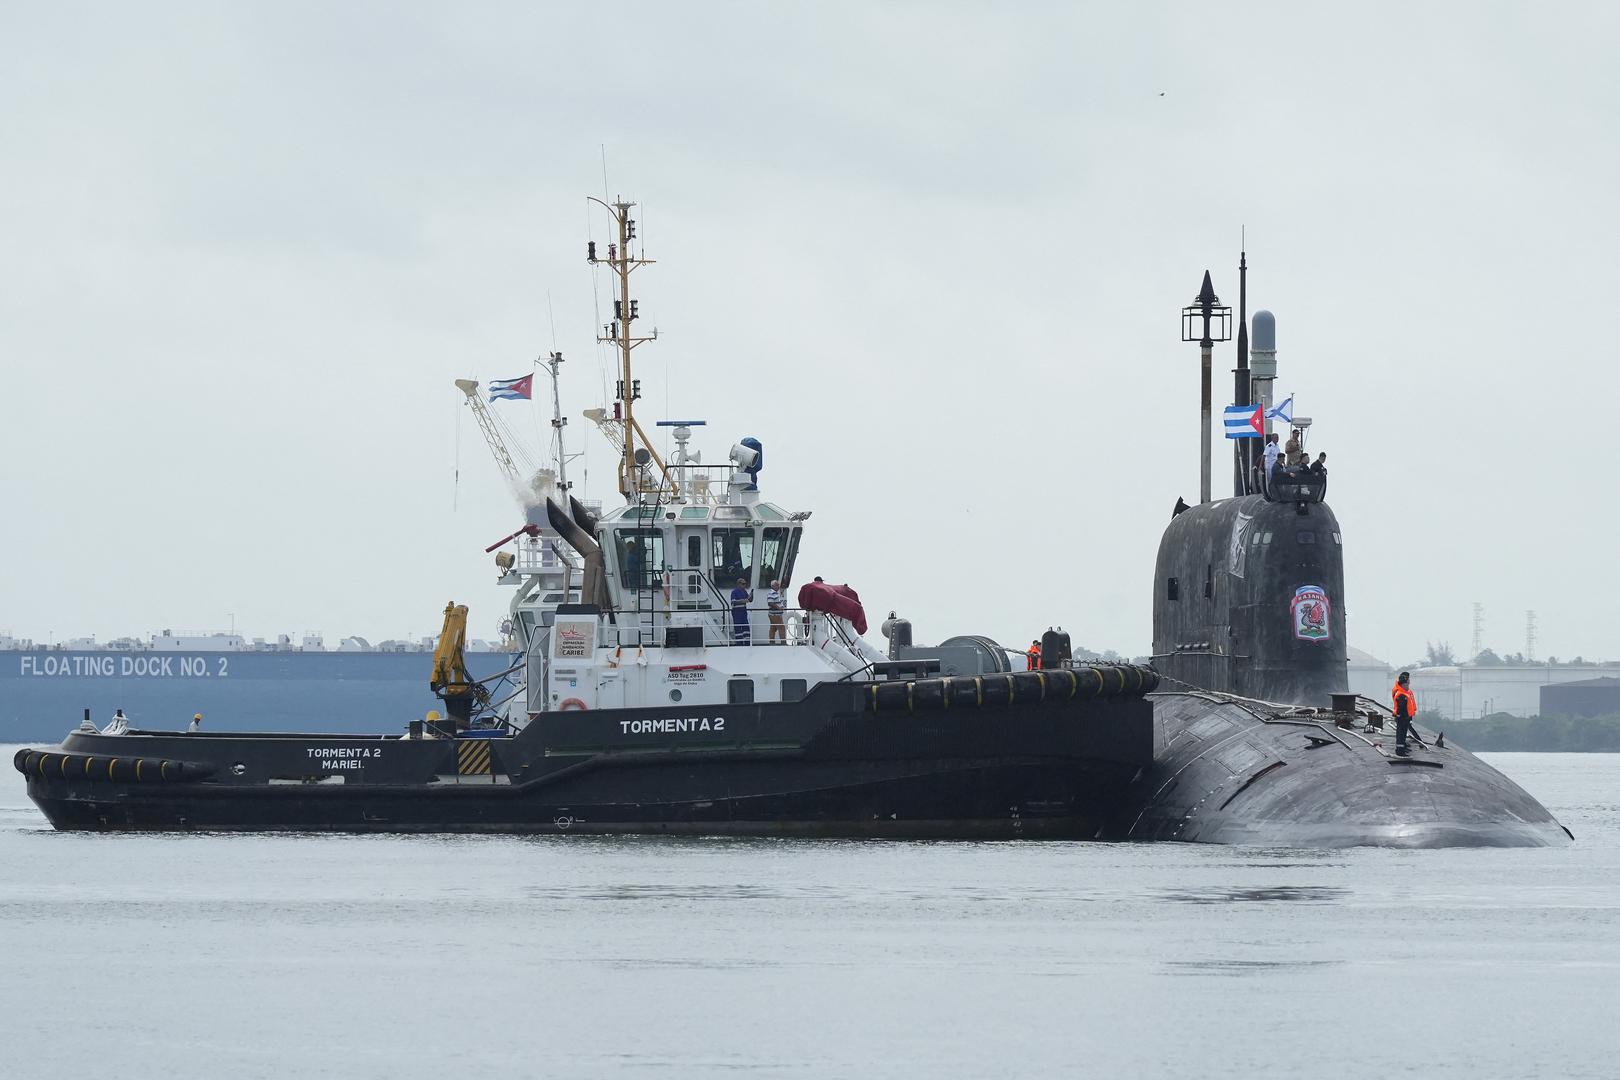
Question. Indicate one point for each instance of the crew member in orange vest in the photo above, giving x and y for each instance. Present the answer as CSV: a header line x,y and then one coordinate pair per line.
x,y
1034,655
1405,711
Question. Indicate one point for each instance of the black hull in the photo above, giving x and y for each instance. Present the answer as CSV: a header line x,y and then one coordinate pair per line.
x,y
1191,767
908,799
844,762
1233,772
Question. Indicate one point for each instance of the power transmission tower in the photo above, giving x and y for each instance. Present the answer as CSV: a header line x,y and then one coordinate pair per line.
x,y
1479,630
1530,636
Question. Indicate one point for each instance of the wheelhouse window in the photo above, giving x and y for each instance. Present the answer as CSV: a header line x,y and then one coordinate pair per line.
x,y
791,557
733,556
777,552
641,557
772,556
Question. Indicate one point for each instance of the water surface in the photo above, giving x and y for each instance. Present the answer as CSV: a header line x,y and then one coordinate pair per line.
x,y
147,957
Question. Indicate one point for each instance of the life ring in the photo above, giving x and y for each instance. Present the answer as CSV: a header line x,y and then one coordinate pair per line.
x,y
571,703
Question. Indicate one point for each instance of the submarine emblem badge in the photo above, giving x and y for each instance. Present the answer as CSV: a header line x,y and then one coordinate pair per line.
x,y
1310,610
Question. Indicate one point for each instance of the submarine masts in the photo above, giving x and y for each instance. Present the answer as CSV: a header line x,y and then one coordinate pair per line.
x,y
1242,451
1263,359
1205,321
1203,426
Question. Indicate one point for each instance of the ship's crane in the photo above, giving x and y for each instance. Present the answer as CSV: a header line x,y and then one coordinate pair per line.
x,y
450,679
492,435
496,438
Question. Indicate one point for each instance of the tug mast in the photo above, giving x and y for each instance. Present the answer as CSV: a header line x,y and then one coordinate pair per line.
x,y
620,260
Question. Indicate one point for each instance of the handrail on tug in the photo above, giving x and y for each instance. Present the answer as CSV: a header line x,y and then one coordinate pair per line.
x,y
624,634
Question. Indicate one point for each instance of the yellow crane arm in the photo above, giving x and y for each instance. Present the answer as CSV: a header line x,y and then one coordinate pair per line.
x,y
450,677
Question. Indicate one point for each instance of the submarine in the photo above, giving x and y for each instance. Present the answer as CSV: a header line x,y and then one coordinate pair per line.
x,y
1260,741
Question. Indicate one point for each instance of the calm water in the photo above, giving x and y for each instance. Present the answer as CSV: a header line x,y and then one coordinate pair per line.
x,y
176,956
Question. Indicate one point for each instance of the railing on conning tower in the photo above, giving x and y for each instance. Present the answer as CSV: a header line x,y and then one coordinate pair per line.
x,y
1296,484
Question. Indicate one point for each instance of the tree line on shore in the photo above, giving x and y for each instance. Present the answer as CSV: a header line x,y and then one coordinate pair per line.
x,y
1501,731
1441,654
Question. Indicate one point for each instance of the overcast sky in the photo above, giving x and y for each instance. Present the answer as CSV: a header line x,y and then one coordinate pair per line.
x,y
933,256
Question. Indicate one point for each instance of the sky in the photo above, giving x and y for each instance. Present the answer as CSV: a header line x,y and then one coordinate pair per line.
x,y
933,256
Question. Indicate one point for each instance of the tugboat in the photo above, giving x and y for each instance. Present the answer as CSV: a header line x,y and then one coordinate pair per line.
x,y
1261,743
666,687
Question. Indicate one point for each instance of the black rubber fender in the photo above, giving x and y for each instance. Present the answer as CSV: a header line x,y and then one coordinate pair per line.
x,y
106,768
1011,689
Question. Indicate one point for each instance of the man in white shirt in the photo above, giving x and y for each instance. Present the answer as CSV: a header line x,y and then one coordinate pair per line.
x,y
775,608
1271,458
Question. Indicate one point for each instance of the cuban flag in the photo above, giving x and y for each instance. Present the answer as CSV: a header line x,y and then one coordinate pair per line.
x,y
1284,411
509,389
1245,421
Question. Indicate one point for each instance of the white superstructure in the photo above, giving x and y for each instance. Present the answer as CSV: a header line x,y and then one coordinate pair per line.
x,y
663,602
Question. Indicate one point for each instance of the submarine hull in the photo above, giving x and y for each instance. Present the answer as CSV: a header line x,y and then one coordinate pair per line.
x,y
1236,772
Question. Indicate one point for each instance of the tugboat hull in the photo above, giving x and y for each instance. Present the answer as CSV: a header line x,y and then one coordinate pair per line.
x,y
840,763
1009,799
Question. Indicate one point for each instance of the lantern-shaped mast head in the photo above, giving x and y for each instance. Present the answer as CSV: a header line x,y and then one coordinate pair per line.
x,y
1207,320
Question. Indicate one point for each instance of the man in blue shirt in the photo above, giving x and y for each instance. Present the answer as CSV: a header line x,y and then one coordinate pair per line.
x,y
740,596
632,565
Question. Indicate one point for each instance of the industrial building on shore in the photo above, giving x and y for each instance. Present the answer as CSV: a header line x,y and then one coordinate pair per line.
x,y
1472,691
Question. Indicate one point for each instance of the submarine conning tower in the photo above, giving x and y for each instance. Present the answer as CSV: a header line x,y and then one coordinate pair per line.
x,y
1248,592
1248,598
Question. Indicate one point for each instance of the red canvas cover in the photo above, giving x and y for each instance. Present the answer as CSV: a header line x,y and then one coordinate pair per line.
x,y
840,600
